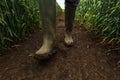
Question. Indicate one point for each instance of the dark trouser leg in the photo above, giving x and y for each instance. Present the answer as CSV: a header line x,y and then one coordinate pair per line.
x,y
48,17
70,7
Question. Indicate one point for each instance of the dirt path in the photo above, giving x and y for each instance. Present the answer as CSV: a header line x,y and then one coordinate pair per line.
x,y
85,61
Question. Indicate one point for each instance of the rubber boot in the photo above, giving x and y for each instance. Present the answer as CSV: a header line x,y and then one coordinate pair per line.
x,y
69,18
48,18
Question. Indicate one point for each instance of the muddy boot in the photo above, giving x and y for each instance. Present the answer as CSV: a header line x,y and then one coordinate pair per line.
x,y
69,18
48,18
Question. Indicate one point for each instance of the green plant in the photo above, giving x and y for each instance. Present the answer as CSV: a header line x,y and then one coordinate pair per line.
x,y
103,17
58,9
17,17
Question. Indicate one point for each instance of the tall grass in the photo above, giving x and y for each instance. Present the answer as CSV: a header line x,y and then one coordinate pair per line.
x,y
58,9
103,16
17,17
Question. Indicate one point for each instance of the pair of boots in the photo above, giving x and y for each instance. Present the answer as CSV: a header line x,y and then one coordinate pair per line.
x,y
48,17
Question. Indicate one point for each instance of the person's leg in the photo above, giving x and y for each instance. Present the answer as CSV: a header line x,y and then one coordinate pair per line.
x,y
70,7
48,18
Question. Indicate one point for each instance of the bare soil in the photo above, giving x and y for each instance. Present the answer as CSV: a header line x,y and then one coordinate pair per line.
x,y
86,60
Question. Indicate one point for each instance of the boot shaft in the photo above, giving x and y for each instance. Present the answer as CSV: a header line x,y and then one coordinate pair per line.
x,y
69,17
48,17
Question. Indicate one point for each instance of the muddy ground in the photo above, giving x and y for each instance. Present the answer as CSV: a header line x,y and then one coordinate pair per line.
x,y
86,60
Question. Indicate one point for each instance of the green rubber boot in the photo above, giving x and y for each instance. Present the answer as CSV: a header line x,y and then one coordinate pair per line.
x,y
48,17
69,18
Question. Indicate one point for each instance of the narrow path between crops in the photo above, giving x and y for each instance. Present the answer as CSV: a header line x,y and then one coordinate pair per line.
x,y
85,61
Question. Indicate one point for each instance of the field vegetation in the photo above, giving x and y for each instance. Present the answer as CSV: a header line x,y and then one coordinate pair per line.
x,y
18,18
102,17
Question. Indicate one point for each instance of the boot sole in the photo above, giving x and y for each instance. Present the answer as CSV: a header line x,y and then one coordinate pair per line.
x,y
44,56
68,45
